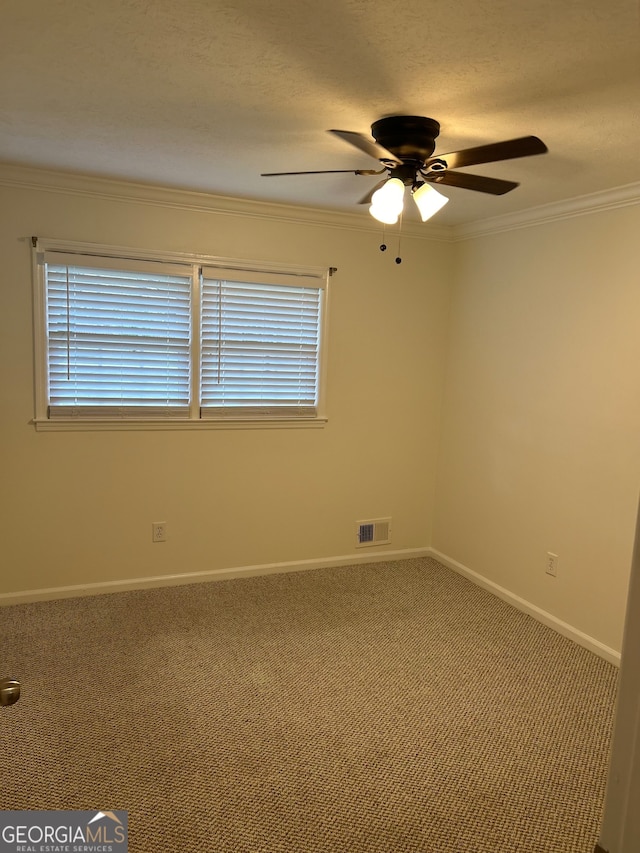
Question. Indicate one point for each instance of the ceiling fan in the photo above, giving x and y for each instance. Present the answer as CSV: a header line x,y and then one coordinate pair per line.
x,y
404,145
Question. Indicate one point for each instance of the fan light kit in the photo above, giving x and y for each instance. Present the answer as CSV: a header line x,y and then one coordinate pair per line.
x,y
404,146
387,202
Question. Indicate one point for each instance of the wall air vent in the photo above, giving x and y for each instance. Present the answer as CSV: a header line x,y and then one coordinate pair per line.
x,y
374,531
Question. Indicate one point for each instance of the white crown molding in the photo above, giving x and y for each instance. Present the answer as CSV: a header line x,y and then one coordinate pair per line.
x,y
623,196
71,183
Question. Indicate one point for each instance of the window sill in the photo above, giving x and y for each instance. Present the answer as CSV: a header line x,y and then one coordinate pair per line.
x,y
152,424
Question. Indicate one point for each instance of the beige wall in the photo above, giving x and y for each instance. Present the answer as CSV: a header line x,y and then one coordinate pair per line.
x,y
77,507
541,423
532,334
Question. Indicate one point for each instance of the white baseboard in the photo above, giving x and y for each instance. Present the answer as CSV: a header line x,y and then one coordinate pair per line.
x,y
548,619
79,590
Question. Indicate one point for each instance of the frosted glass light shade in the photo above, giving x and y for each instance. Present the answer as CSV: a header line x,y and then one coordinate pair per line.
x,y
387,202
428,201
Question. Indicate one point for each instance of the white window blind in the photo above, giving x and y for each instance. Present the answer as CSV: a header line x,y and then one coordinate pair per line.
x,y
118,337
127,339
259,344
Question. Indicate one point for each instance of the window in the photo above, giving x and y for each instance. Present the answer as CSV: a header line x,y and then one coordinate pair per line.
x,y
127,340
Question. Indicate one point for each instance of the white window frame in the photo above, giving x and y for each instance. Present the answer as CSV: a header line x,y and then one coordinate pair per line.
x,y
42,420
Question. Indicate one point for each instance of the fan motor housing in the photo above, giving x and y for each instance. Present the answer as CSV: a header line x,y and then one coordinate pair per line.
x,y
408,137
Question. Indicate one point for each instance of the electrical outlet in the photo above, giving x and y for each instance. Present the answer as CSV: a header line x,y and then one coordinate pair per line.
x,y
159,531
552,564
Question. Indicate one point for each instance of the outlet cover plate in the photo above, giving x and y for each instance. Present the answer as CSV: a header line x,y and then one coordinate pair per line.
x,y
159,531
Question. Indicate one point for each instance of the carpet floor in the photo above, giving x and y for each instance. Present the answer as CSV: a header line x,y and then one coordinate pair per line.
x,y
382,708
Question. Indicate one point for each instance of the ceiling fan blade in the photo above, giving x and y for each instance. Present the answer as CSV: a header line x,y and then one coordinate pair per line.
x,y
368,197
525,146
480,183
322,172
368,146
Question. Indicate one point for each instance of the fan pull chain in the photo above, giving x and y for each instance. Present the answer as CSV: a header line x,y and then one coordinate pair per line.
x,y
399,259
383,245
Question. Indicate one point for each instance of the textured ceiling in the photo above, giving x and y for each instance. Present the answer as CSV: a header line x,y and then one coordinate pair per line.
x,y
206,94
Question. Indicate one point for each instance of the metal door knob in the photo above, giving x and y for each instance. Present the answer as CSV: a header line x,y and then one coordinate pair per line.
x,y
9,691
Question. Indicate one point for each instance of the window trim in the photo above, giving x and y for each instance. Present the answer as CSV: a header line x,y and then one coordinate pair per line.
x,y
42,420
